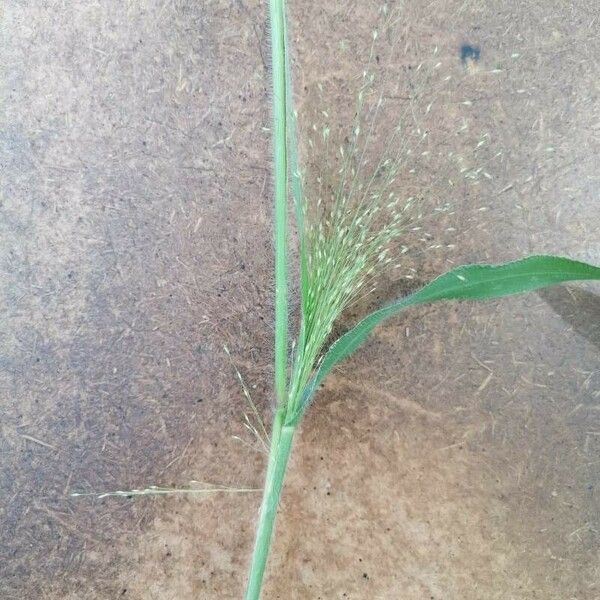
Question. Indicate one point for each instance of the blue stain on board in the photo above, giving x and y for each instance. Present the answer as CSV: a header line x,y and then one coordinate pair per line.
x,y
469,52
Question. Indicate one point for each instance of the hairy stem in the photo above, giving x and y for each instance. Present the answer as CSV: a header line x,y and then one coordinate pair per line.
x,y
281,445
282,435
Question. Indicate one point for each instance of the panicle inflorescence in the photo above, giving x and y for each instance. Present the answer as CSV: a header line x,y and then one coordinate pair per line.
x,y
361,204
352,223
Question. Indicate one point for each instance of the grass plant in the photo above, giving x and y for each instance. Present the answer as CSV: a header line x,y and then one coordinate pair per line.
x,y
351,228
348,235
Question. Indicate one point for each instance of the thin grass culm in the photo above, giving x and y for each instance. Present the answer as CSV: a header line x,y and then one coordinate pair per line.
x,y
349,232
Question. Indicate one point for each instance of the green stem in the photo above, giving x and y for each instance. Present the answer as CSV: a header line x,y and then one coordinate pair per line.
x,y
277,18
282,434
281,445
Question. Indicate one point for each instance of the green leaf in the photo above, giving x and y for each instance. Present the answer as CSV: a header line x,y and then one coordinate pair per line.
x,y
468,282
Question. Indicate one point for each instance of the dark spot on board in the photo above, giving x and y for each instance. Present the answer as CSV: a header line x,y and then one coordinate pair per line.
x,y
469,52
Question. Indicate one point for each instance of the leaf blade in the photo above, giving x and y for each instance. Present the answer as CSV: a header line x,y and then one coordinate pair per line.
x,y
467,282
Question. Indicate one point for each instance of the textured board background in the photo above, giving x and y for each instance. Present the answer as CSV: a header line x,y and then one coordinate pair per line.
x,y
456,458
